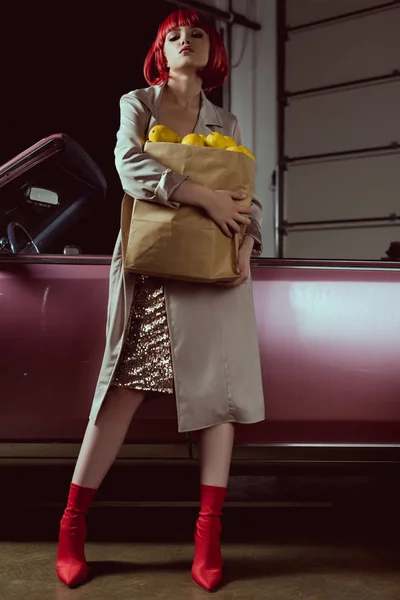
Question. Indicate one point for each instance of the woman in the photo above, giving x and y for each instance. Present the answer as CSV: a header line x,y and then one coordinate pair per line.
x,y
197,341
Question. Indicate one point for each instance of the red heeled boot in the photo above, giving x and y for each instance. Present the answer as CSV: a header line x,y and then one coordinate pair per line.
x,y
207,564
71,562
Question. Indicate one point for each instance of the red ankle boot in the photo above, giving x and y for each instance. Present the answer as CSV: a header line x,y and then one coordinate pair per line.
x,y
207,564
71,562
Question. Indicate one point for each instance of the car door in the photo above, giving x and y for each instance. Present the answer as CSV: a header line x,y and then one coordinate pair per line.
x,y
329,335
53,301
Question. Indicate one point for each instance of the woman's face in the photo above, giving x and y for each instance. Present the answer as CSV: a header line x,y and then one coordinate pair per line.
x,y
187,48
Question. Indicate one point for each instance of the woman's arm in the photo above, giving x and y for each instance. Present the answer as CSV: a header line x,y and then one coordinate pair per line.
x,y
254,229
144,178
141,176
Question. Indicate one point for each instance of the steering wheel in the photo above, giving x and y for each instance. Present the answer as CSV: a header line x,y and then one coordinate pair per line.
x,y
12,238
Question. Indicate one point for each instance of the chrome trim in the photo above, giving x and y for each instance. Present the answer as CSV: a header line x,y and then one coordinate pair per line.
x,y
382,266
262,455
195,504
29,158
27,259
149,461
67,451
319,445
256,263
328,268
313,455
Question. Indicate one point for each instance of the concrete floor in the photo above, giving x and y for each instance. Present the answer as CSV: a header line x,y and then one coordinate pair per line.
x,y
162,571
312,539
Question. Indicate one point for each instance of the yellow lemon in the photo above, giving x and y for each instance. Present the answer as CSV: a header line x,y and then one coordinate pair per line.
x,y
161,133
204,137
229,141
247,152
193,139
216,140
234,149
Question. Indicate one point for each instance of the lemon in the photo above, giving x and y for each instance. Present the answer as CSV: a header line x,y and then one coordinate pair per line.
x,y
216,140
204,137
161,133
247,152
243,150
230,141
193,139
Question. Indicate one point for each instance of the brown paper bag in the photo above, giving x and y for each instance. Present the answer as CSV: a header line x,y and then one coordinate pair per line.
x,y
186,244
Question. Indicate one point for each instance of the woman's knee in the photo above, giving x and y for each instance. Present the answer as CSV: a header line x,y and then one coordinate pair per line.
x,y
122,399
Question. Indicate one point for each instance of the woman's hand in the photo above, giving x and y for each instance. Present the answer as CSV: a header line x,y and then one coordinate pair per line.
x,y
243,263
223,209
221,205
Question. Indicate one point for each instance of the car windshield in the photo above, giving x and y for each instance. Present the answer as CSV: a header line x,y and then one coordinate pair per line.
x,y
46,187
34,215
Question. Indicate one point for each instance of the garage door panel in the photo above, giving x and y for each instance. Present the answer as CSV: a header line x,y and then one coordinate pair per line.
x,y
356,244
350,189
304,11
344,51
347,126
356,118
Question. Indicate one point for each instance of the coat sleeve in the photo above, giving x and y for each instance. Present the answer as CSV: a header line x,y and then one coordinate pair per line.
x,y
254,229
141,176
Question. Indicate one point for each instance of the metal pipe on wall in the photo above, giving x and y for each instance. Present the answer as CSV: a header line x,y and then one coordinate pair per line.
x,y
282,167
229,49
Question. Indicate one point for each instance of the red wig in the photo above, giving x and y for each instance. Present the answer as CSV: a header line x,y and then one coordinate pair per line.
x,y
213,75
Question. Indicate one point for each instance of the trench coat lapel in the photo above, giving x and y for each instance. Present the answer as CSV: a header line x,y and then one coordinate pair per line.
x,y
208,116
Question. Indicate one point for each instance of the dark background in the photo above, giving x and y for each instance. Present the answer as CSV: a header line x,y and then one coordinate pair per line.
x,y
65,67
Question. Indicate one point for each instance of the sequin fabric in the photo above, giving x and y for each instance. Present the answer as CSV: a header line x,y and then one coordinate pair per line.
x,y
145,362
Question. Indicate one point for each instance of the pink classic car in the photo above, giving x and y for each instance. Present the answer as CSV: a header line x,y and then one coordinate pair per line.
x,y
329,334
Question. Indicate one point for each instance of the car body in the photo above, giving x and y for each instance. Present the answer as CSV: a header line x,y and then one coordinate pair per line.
x,y
329,334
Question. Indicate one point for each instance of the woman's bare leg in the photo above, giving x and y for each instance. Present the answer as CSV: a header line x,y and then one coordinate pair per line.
x,y
216,445
103,439
215,459
99,449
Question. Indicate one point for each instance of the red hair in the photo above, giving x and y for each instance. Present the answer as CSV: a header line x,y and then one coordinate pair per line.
x,y
213,75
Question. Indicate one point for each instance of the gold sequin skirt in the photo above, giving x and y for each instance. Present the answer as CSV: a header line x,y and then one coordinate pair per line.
x,y
145,362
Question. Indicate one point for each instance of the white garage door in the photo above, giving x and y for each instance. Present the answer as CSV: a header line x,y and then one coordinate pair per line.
x,y
340,148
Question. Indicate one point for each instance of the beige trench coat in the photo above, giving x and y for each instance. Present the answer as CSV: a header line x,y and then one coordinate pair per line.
x,y
215,355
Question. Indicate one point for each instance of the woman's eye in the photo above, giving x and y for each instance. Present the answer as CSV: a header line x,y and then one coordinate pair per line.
x,y
197,34
173,38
